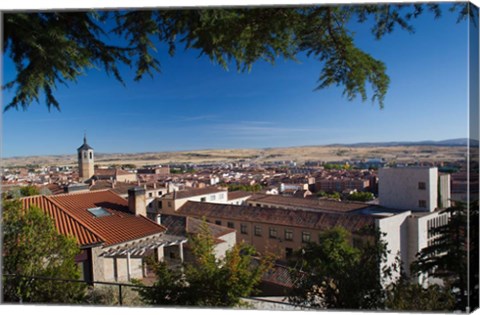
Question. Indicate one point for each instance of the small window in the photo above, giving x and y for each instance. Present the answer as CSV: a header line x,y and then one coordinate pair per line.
x,y
85,154
306,237
159,193
221,196
243,228
99,212
258,230
272,232
91,155
203,199
422,204
231,225
288,235
258,205
150,194
288,252
169,204
159,205
173,255
212,198
422,186
218,222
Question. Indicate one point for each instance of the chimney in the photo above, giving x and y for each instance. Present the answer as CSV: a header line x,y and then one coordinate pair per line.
x,y
136,201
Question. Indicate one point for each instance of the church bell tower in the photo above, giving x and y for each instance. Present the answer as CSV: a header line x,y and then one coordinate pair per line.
x,y
85,160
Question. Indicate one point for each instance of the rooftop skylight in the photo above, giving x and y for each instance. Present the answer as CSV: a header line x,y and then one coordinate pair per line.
x,y
99,212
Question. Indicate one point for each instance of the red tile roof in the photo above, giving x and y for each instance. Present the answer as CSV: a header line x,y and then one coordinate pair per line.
x,y
308,204
232,195
64,222
118,227
286,217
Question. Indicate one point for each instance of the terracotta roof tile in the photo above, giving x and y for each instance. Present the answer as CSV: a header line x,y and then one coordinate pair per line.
x,y
238,194
286,217
118,227
64,222
311,204
71,216
179,225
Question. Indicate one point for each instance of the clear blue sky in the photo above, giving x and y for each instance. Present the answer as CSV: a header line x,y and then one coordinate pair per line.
x,y
194,104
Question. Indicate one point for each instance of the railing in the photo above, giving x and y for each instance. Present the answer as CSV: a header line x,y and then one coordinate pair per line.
x,y
96,292
116,294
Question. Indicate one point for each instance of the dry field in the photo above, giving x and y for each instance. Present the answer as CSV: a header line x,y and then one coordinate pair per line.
x,y
298,154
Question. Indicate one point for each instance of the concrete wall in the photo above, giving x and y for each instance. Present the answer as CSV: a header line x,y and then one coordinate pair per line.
x,y
419,238
98,269
445,191
396,235
104,267
399,188
222,248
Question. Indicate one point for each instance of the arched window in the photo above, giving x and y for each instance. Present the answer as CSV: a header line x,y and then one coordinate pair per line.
x,y
79,155
85,154
91,155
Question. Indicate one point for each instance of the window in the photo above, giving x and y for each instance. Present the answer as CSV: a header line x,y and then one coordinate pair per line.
x,y
422,204
159,193
91,155
231,225
306,237
79,155
422,185
150,194
169,204
243,228
99,212
258,230
218,222
85,154
221,196
203,199
159,205
272,232
212,198
288,235
288,252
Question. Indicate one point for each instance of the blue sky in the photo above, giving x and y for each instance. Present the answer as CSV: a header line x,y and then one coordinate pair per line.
x,y
194,104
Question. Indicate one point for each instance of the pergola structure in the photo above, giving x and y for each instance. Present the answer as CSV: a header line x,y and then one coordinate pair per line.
x,y
141,247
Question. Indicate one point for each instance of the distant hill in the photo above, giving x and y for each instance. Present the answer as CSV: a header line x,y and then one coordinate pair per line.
x,y
448,143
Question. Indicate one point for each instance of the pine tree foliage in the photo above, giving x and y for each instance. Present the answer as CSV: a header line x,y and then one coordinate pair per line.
x,y
51,48
32,247
406,295
448,256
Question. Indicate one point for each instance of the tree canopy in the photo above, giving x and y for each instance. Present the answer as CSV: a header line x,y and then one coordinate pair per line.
x,y
51,48
207,280
32,247
455,246
333,274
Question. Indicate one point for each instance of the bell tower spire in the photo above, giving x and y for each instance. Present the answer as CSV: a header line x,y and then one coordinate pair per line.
x,y
85,160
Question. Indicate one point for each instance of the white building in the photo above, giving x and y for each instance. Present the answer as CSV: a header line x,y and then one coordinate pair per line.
x,y
410,196
408,188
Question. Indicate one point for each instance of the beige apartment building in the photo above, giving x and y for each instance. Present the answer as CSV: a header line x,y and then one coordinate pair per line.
x,y
276,231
